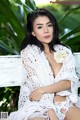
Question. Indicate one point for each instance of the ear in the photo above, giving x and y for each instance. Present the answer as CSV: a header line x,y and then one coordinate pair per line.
x,y
33,34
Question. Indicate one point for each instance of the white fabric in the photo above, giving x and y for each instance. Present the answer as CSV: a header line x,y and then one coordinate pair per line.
x,y
38,73
63,107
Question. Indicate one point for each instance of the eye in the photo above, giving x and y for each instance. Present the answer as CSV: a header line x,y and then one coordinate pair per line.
x,y
39,27
50,25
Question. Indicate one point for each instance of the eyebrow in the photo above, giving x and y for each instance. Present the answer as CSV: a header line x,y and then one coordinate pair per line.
x,y
42,24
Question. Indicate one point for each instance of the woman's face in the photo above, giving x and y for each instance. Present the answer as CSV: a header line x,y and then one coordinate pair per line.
x,y
43,29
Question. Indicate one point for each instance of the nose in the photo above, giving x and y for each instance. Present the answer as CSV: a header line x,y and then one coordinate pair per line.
x,y
45,29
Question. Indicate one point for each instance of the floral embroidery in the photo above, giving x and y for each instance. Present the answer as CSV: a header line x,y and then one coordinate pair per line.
x,y
60,56
63,110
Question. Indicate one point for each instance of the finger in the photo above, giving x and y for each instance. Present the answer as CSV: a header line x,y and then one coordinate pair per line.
x,y
30,99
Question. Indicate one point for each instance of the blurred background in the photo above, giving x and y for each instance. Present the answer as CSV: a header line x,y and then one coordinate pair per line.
x,y
13,15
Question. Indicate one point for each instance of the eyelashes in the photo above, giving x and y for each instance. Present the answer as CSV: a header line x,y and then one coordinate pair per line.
x,y
40,27
50,25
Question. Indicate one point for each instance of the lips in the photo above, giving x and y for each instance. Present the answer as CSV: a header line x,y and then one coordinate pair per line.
x,y
48,36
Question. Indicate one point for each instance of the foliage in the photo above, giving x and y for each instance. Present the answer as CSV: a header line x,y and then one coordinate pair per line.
x,y
9,98
12,22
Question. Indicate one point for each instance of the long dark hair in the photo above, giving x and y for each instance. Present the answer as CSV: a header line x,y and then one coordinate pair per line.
x,y
30,39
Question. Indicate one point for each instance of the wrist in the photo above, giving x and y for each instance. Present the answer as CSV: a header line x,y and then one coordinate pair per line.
x,y
43,90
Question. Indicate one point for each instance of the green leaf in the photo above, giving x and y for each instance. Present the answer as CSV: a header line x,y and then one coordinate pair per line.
x,y
72,10
6,47
10,17
74,40
72,32
31,3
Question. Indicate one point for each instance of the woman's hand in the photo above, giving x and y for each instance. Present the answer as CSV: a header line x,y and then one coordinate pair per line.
x,y
36,95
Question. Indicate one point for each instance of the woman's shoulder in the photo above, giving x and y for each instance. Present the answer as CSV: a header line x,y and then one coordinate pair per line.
x,y
59,47
30,50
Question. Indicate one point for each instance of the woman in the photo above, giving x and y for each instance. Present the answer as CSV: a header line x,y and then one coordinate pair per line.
x,y
49,90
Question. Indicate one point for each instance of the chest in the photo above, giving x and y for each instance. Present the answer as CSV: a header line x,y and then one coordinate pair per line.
x,y
53,64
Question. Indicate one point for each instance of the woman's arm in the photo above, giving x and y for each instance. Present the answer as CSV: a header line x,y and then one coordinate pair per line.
x,y
57,87
54,88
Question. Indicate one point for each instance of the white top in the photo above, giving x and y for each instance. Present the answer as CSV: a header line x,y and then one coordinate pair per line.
x,y
38,73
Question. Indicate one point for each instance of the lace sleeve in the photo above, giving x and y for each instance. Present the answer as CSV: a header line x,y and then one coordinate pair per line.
x,y
29,61
70,65
31,80
71,70
70,74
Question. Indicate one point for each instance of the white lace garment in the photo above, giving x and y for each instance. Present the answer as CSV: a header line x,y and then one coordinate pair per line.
x,y
38,73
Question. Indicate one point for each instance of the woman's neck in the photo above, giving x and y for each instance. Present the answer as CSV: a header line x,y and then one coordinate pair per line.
x,y
46,49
